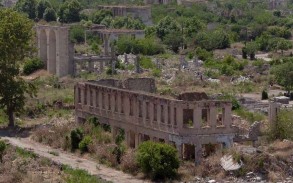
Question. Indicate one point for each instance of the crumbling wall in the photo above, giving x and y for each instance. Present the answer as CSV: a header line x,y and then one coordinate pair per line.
x,y
140,84
136,84
193,96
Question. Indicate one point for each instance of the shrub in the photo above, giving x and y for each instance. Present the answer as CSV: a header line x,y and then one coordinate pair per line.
x,y
156,72
32,65
77,34
84,143
146,63
76,137
264,95
157,160
2,149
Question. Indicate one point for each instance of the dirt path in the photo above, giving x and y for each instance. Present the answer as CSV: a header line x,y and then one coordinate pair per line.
x,y
65,158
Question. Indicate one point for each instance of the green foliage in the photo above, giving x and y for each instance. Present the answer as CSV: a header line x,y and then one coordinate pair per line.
x,y
123,23
217,39
84,143
79,176
41,7
50,15
15,45
277,31
173,40
284,74
2,149
193,25
147,46
24,153
99,15
77,34
28,7
76,137
283,127
251,48
166,26
156,72
32,65
69,11
249,116
157,160
146,63
203,54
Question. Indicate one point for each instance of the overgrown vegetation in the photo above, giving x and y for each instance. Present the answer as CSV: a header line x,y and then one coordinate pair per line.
x,y
158,160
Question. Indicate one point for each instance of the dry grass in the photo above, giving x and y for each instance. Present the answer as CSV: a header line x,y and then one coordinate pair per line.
x,y
128,163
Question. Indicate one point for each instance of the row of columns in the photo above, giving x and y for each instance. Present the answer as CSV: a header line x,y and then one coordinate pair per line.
x,y
154,111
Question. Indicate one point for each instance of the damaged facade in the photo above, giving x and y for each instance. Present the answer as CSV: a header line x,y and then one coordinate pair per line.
x,y
191,126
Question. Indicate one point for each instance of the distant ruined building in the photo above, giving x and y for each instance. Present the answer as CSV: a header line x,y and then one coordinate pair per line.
x,y
141,12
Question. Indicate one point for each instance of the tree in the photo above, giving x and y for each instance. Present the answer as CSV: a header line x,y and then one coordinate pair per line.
x,y
28,7
16,39
193,25
69,11
173,40
250,49
284,74
41,7
166,26
50,15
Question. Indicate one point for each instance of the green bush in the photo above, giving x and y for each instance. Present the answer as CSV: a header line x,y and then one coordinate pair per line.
x,y
146,63
158,160
76,137
32,65
2,149
77,34
84,143
156,72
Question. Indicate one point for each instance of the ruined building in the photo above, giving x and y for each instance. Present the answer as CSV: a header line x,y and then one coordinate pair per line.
x,y
109,35
55,49
131,105
138,12
157,1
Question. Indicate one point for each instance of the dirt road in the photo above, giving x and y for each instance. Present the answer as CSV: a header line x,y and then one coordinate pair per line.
x,y
65,158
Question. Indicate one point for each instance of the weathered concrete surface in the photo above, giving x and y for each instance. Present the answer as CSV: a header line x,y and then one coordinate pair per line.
x,y
65,158
55,49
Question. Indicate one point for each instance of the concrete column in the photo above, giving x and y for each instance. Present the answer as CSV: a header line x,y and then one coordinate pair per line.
x,y
107,100
143,111
227,117
213,116
106,44
158,113
179,149
126,105
94,97
166,114
137,140
112,102
172,114
197,117
179,116
198,153
100,99
151,112
82,95
88,96
91,66
119,102
127,137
